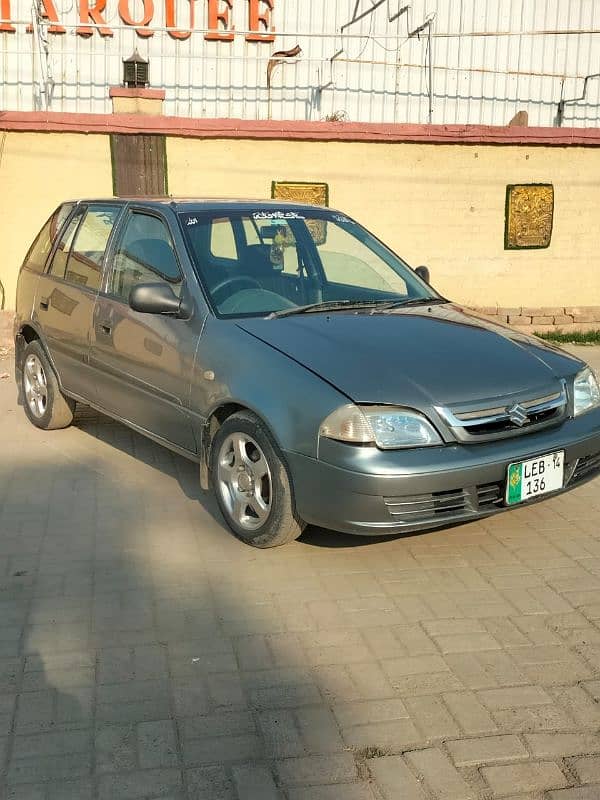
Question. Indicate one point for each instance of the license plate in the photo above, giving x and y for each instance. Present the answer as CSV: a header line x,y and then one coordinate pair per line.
x,y
527,479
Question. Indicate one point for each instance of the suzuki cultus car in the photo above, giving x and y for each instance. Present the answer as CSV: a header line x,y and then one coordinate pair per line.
x,y
310,372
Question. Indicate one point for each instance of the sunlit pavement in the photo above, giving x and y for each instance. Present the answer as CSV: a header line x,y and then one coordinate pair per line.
x,y
146,653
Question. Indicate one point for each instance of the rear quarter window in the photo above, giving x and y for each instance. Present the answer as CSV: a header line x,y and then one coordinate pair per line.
x,y
39,251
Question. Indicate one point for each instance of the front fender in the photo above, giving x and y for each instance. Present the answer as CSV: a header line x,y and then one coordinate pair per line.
x,y
290,399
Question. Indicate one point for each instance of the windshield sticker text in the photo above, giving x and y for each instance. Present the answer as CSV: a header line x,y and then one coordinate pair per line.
x,y
277,215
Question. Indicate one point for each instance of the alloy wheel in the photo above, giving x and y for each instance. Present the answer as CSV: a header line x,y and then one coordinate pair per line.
x,y
36,386
244,481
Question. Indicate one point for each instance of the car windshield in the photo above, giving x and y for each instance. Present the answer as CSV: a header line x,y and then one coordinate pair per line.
x,y
276,262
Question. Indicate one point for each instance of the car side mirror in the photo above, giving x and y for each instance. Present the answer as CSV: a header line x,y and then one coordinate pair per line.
x,y
157,298
423,273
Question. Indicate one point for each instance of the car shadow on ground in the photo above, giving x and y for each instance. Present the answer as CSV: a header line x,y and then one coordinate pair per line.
x,y
186,472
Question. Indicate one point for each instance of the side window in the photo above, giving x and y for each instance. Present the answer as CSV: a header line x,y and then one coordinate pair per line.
x,y
222,240
38,254
58,265
84,264
145,255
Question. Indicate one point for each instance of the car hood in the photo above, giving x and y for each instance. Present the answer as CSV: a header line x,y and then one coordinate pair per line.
x,y
419,357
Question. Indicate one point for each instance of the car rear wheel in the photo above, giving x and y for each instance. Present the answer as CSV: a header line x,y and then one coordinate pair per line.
x,y
44,403
252,483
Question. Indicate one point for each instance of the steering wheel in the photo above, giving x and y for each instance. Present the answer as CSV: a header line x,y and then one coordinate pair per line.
x,y
242,281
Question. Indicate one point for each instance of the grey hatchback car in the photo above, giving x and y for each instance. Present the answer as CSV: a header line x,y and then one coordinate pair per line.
x,y
310,372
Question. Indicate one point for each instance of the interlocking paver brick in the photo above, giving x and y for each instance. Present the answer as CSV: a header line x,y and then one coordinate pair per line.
x,y
579,793
414,639
427,683
395,780
319,730
279,731
164,783
467,643
414,665
146,662
222,724
533,718
133,701
51,743
284,676
213,782
70,790
588,769
506,632
255,782
432,717
285,696
370,711
222,749
580,706
49,768
440,775
516,697
395,735
317,770
370,680
515,778
453,627
487,750
115,748
466,709
558,745
346,791
157,745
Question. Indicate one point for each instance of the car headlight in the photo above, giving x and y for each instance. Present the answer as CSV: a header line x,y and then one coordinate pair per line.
x,y
586,392
389,428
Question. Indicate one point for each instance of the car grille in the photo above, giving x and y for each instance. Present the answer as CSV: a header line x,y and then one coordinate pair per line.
x,y
500,421
585,468
459,504
445,506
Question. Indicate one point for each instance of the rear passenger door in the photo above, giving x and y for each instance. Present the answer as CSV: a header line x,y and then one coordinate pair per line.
x,y
67,293
143,362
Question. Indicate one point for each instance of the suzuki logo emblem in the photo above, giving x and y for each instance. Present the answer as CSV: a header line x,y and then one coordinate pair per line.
x,y
517,415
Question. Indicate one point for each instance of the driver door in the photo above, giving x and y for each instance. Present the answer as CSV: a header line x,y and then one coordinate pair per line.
x,y
143,362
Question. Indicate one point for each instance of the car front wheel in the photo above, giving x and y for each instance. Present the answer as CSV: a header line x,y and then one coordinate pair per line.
x,y
252,483
44,403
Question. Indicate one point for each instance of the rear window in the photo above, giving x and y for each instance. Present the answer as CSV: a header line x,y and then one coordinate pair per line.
x,y
84,265
37,256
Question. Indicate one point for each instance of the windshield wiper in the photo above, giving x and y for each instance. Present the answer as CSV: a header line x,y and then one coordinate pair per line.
x,y
414,301
328,305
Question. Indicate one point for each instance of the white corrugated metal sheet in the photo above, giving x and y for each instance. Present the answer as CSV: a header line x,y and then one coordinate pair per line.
x,y
489,59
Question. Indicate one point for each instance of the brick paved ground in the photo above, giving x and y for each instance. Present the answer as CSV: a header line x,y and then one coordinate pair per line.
x,y
145,653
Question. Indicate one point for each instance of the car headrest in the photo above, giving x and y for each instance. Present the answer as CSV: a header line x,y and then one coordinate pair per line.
x,y
257,260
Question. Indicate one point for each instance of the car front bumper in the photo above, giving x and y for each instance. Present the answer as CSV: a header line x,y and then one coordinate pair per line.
x,y
364,490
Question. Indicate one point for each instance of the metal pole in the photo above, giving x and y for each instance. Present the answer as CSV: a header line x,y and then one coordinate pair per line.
x,y
430,72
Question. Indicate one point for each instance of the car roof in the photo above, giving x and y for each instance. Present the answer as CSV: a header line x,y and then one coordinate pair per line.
x,y
206,203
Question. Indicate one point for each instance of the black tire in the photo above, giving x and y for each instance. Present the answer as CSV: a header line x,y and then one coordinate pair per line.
x,y
281,523
45,405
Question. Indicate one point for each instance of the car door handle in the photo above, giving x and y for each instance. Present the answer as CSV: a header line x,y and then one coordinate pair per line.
x,y
44,303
